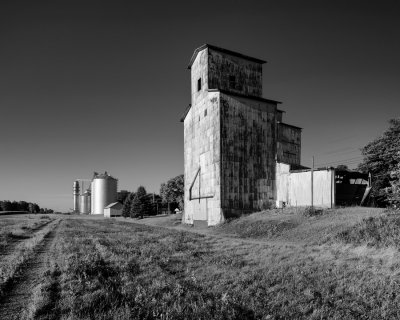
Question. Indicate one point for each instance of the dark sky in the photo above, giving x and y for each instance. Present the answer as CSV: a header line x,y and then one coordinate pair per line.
x,y
100,85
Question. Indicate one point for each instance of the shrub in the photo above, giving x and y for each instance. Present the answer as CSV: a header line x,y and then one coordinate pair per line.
x,y
311,211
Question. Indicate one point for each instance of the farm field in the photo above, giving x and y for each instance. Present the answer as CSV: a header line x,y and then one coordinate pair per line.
x,y
342,264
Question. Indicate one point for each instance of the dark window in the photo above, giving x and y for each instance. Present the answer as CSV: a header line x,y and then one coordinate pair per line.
x,y
199,84
205,112
232,82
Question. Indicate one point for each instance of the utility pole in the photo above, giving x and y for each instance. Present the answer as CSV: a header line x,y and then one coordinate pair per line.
x,y
312,183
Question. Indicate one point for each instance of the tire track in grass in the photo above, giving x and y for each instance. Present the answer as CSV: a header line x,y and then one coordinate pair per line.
x,y
15,240
19,290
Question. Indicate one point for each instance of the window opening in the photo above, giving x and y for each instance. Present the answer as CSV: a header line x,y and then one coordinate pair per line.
x,y
232,82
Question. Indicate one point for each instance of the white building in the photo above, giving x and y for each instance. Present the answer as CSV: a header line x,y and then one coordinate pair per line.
x,y
113,210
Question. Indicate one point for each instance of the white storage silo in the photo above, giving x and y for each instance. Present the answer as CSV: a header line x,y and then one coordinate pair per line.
x,y
104,192
85,202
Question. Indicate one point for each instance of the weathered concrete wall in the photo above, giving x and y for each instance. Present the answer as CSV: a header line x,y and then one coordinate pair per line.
x,y
248,145
247,74
202,150
289,144
199,70
294,188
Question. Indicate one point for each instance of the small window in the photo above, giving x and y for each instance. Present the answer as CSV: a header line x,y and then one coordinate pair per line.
x,y
205,112
199,84
232,82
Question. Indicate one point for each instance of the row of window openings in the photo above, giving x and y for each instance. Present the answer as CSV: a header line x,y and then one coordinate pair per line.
x,y
232,83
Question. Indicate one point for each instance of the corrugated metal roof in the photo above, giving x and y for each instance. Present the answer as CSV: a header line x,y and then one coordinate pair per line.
x,y
104,175
112,205
289,125
232,94
232,53
229,93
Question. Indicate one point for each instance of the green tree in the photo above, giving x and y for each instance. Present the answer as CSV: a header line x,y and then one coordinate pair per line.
x,y
126,208
31,207
173,191
122,195
381,159
394,189
140,205
14,206
23,206
36,208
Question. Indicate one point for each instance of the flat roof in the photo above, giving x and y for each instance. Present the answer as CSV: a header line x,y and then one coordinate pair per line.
x,y
232,53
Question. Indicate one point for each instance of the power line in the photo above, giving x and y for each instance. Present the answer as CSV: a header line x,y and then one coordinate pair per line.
x,y
358,158
343,150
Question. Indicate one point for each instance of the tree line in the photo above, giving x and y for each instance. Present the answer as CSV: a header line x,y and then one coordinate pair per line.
x,y
6,205
140,203
382,160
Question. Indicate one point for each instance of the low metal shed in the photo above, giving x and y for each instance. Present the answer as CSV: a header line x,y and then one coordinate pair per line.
x,y
113,210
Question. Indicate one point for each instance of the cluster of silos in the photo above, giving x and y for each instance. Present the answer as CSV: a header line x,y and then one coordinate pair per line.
x,y
81,201
102,192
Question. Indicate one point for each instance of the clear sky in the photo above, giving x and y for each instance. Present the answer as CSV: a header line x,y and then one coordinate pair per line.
x,y
100,85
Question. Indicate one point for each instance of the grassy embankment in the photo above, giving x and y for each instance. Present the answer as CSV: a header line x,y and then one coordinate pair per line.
x,y
114,270
19,235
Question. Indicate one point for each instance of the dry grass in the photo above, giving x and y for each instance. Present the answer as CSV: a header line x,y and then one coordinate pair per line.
x,y
294,225
380,231
20,227
108,269
18,240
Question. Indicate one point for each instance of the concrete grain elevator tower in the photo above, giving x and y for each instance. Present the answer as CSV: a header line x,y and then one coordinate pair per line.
x,y
232,138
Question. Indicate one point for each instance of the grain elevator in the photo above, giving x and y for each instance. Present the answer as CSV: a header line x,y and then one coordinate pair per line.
x,y
233,138
102,192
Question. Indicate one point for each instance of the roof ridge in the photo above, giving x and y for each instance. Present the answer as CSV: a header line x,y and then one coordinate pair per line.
x,y
233,53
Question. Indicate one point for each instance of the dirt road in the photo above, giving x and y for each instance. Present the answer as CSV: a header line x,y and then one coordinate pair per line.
x,y
19,289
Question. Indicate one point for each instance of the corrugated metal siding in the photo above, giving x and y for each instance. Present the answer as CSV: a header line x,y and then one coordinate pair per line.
x,y
294,188
248,74
248,155
289,144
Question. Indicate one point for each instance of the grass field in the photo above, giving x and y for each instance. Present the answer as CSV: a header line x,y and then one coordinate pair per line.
x,y
341,264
